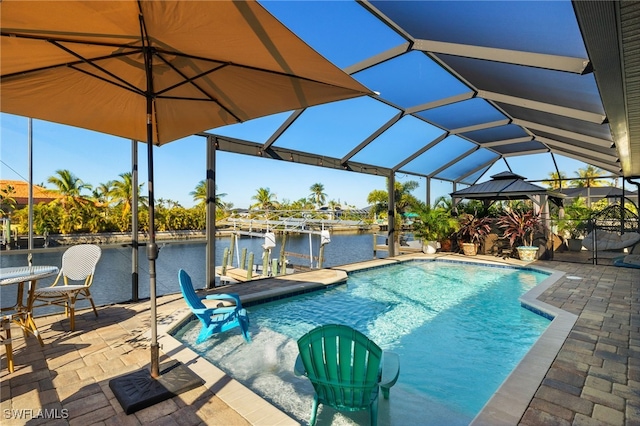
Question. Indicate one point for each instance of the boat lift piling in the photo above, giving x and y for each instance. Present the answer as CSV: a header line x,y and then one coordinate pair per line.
x,y
244,271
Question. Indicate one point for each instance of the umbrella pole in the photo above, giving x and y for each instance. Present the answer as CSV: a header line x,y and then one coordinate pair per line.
x,y
152,250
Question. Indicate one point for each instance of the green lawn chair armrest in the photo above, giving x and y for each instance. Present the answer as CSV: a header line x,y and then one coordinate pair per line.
x,y
298,368
390,372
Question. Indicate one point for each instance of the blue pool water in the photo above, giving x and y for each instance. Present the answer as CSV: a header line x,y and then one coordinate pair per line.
x,y
459,330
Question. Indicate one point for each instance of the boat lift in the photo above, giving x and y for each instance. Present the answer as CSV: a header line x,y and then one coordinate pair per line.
x,y
270,266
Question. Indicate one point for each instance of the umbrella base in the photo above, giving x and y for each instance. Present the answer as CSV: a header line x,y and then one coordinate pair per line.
x,y
139,390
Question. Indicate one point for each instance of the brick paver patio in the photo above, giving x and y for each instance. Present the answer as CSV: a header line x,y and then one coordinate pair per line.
x,y
594,380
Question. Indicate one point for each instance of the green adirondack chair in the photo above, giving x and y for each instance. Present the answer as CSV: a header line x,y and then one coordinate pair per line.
x,y
346,369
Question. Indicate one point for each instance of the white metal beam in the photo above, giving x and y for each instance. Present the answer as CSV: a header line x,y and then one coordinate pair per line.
x,y
376,59
480,126
371,137
562,146
613,168
533,151
477,169
420,151
507,141
441,102
591,117
454,161
530,59
564,133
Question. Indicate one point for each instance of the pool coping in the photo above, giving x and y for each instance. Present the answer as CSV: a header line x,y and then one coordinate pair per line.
x,y
509,403
506,407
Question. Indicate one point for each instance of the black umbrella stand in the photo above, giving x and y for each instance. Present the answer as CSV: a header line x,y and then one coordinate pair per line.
x,y
144,388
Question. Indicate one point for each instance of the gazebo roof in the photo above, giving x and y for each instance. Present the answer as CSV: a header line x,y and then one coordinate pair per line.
x,y
505,186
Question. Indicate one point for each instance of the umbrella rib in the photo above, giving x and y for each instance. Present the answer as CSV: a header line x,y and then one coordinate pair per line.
x,y
81,60
126,86
7,32
185,98
191,81
62,40
88,62
249,67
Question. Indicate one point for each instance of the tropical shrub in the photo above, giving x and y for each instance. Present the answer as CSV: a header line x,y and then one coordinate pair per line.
x,y
473,229
520,227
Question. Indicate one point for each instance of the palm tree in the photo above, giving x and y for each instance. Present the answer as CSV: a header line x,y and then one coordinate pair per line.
x,y
589,177
403,197
300,204
122,194
379,199
7,202
73,203
265,199
317,194
555,179
200,194
101,193
68,184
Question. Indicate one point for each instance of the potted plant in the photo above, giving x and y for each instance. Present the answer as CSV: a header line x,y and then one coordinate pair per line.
x,y
471,232
432,225
521,227
574,224
575,230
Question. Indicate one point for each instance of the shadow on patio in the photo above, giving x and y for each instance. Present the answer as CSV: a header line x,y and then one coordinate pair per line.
x,y
595,379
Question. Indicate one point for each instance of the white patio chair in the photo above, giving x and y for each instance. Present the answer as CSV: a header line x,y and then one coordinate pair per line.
x,y
78,264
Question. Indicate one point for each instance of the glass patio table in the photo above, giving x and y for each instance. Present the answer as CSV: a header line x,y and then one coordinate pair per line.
x,y
21,313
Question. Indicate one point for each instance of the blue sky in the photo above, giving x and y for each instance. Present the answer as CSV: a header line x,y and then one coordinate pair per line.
x,y
178,166
97,158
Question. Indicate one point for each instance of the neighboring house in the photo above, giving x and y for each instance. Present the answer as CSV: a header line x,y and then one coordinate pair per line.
x,y
21,193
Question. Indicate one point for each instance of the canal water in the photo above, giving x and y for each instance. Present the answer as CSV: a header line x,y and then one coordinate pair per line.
x,y
112,282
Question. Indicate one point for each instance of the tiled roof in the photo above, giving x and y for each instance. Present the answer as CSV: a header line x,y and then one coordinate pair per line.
x,y
21,194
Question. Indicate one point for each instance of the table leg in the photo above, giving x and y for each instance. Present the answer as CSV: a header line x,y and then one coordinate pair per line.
x,y
25,319
30,323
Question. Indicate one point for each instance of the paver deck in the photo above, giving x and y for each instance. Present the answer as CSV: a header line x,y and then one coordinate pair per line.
x,y
593,380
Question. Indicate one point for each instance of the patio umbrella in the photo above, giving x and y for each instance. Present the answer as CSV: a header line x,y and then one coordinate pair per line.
x,y
157,71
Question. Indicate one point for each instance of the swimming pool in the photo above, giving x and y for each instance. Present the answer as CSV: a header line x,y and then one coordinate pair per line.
x,y
457,339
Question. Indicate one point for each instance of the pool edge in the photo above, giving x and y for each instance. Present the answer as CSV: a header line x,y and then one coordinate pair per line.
x,y
509,403
237,396
506,407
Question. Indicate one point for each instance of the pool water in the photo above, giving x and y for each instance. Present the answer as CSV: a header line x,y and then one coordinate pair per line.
x,y
458,328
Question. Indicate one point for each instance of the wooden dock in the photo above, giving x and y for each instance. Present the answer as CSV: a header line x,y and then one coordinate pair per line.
x,y
236,274
399,249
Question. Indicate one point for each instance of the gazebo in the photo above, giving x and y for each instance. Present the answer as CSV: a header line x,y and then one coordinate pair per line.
x,y
510,186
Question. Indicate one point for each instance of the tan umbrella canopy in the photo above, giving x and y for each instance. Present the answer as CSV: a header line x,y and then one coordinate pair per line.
x,y
157,71
209,63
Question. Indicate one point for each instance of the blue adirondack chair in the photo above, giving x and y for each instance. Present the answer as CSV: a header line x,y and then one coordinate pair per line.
x,y
346,369
215,319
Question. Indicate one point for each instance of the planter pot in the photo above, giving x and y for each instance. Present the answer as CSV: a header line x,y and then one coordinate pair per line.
x,y
527,253
430,247
470,249
574,244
